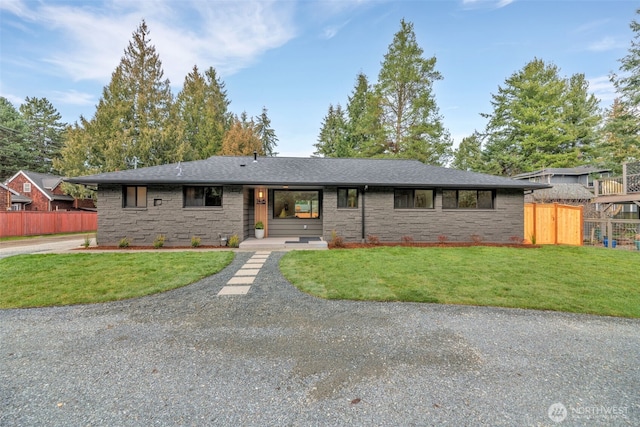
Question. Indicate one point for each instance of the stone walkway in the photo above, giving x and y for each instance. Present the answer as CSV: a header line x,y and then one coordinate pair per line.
x,y
241,282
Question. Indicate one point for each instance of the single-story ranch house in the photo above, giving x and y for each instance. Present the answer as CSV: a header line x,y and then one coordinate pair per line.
x,y
306,197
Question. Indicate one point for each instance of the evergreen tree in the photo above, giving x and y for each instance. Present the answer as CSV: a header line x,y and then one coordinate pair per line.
x,y
621,140
364,130
266,134
14,153
468,155
333,138
540,120
410,115
45,132
202,114
132,125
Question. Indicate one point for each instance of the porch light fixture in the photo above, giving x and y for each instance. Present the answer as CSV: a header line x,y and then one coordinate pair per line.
x,y
261,200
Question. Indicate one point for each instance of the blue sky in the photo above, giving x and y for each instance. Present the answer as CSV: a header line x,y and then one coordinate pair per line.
x,y
295,57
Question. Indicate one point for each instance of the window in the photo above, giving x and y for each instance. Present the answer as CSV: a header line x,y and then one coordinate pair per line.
x,y
413,199
467,199
202,196
135,197
296,204
26,187
347,198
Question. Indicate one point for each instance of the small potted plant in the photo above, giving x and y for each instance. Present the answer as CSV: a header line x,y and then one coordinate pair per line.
x,y
637,241
259,230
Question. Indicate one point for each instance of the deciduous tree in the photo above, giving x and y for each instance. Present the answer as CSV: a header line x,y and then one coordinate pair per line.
x,y
241,139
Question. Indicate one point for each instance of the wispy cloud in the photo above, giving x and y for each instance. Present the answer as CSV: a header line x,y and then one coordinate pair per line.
x,y
74,97
489,4
226,35
604,44
331,31
602,88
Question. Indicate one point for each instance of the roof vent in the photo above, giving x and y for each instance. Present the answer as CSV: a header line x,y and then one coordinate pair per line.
x,y
255,157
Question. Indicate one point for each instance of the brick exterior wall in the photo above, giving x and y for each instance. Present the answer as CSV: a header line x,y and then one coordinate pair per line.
x,y
424,225
39,202
5,199
178,224
170,218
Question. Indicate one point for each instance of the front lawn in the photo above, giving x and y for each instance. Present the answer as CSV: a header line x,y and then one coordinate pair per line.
x,y
561,278
63,279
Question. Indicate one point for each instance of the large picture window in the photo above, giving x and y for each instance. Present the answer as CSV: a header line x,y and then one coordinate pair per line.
x,y
135,196
467,199
296,204
408,198
347,198
202,196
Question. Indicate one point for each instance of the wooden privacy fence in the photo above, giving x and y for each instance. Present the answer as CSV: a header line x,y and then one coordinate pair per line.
x,y
27,223
553,224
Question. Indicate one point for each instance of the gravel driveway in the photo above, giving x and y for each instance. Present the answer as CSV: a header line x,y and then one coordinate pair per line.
x,y
279,357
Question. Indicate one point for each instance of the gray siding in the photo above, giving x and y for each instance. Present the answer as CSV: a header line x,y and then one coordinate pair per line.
x,y
425,225
177,224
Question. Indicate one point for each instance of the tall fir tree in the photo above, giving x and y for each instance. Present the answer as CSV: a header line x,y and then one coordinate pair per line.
x,y
410,116
266,134
468,155
133,119
621,139
14,153
333,138
540,120
202,114
364,129
45,132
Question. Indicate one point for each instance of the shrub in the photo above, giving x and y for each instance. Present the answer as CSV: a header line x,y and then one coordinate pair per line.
x,y
124,243
159,241
442,239
234,241
87,242
336,241
407,240
373,239
476,238
195,242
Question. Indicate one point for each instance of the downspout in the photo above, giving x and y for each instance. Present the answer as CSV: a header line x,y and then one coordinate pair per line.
x,y
364,189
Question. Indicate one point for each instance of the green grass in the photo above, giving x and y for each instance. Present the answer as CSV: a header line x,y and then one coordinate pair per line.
x,y
561,278
64,279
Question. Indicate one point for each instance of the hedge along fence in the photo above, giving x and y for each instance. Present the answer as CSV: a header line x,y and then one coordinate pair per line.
x,y
553,224
27,223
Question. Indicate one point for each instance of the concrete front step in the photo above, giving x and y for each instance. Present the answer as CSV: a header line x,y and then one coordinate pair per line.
x,y
282,243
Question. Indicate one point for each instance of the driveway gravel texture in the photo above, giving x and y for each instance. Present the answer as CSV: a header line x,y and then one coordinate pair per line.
x,y
277,356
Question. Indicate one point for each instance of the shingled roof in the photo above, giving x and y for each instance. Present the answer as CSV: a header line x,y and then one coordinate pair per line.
x,y
46,183
304,172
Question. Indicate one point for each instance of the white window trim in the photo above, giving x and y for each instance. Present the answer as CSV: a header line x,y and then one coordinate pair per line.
x,y
26,187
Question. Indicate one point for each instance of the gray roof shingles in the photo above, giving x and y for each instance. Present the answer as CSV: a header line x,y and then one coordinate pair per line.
x,y
304,171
